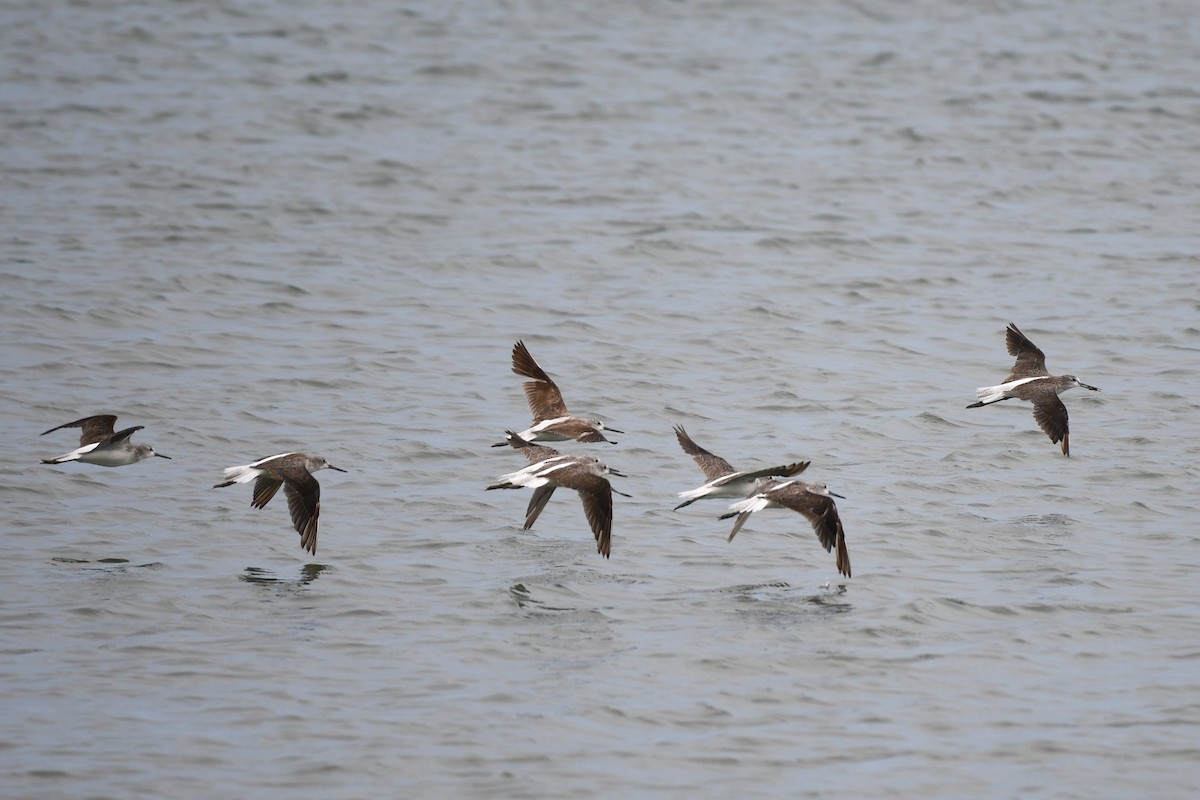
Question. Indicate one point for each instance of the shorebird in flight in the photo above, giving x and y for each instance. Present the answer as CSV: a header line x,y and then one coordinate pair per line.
x,y
723,479
813,500
551,420
292,471
99,445
1030,380
548,470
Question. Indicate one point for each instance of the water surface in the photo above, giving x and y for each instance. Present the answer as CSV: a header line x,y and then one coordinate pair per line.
x,y
798,231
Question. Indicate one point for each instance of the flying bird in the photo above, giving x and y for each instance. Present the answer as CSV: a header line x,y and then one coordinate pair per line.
x,y
813,500
292,471
100,446
723,479
549,470
1030,380
551,420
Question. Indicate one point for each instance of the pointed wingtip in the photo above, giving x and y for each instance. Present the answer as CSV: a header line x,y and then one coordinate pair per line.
x,y
843,555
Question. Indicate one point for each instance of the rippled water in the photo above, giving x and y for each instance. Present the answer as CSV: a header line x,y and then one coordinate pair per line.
x,y
797,229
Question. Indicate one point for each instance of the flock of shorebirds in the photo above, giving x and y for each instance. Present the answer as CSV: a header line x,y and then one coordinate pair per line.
x,y
754,490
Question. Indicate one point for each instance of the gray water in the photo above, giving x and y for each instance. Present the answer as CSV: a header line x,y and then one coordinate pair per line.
x,y
798,229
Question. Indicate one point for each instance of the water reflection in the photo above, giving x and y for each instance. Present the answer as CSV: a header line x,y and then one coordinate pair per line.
x,y
782,604
555,597
111,564
263,576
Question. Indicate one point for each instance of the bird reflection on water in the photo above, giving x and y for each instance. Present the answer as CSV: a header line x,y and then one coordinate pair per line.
x,y
260,575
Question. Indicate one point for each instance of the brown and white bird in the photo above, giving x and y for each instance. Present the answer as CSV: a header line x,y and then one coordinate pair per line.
x,y
723,479
1030,380
99,445
813,500
551,420
292,471
550,470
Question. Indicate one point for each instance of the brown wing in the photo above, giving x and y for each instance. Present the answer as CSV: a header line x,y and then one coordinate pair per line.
x,y
711,465
95,429
533,452
843,554
597,505
264,489
125,434
821,511
541,496
591,437
545,400
304,504
737,524
1031,361
1051,416
781,471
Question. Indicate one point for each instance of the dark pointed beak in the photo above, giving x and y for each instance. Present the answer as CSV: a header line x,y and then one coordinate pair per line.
x,y
339,469
835,494
613,430
612,471
1093,388
160,455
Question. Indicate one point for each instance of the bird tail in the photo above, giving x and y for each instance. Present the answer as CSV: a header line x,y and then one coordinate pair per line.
x,y
692,496
74,455
243,474
747,506
988,395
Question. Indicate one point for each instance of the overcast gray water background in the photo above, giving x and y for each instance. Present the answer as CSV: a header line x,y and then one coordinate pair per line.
x,y
798,229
